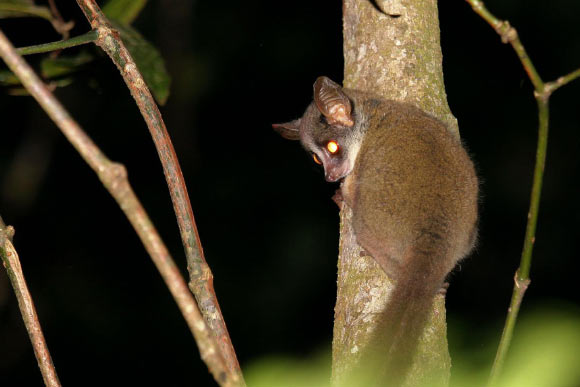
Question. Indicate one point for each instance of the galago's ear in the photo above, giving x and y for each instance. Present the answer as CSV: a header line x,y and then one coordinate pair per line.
x,y
332,102
288,130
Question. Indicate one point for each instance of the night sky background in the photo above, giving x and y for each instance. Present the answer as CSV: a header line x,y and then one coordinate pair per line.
x,y
268,227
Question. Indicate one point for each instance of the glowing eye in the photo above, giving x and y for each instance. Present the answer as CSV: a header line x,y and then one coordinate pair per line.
x,y
316,160
332,146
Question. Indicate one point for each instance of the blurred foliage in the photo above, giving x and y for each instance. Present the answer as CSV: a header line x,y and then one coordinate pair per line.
x,y
545,353
124,11
64,64
23,8
121,13
286,371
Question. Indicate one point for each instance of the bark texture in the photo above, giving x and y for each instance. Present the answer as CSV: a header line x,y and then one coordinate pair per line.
x,y
397,55
392,49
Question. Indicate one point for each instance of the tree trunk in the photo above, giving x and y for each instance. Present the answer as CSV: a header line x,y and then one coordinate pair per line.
x,y
392,49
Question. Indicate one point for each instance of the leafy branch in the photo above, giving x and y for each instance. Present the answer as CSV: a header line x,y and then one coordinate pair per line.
x,y
121,14
542,93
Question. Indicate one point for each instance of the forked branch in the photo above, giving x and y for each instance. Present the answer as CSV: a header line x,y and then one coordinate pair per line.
x,y
114,178
542,93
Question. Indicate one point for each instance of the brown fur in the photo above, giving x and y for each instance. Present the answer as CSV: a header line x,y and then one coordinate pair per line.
x,y
413,191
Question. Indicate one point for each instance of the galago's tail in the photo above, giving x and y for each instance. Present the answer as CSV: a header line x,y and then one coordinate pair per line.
x,y
389,355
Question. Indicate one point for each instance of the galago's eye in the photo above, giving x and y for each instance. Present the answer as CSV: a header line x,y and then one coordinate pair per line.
x,y
316,160
332,147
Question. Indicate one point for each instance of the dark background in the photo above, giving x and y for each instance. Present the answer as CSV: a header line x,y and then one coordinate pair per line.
x,y
267,224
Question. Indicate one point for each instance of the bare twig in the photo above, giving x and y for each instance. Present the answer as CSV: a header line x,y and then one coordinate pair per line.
x,y
114,178
550,87
201,278
509,35
14,269
58,22
542,93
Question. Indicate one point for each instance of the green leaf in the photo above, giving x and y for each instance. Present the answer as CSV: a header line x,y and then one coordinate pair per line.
x,y
22,3
123,11
23,8
7,78
52,68
63,65
148,60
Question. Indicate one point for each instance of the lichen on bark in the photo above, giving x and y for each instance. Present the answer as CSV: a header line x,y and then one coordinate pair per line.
x,y
396,56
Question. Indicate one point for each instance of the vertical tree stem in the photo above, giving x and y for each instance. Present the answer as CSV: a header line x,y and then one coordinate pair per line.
x,y
394,52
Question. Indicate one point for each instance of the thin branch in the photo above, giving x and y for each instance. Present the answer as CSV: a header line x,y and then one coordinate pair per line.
x,y
16,9
542,93
114,178
201,278
550,87
509,35
521,285
88,37
526,261
14,269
